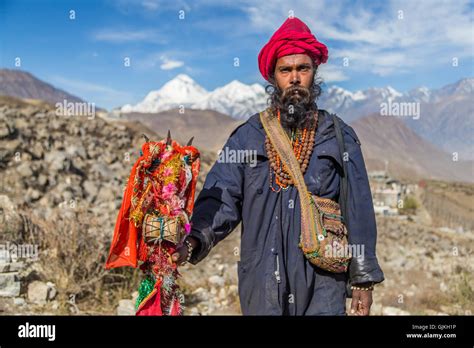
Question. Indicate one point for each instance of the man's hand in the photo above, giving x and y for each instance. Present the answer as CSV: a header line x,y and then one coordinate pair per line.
x,y
361,301
181,254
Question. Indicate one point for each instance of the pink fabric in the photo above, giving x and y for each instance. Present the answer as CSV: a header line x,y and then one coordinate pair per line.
x,y
293,37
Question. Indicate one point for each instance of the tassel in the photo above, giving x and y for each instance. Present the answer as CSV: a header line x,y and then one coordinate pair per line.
x,y
176,307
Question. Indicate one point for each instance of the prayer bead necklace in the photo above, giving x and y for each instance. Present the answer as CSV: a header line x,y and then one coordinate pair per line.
x,y
302,143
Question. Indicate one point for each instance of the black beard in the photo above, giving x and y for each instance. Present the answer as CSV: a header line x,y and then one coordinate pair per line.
x,y
297,106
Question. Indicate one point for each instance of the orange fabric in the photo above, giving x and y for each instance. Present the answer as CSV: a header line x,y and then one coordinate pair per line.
x,y
123,250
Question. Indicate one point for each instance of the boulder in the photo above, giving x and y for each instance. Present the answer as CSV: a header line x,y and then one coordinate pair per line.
x,y
38,292
216,280
126,307
394,311
9,285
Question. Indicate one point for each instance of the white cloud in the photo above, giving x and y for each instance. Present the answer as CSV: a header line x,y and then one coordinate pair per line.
x,y
160,59
331,73
397,37
121,36
144,7
169,64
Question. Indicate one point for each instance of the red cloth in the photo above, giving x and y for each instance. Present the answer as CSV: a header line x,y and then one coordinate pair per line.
x,y
126,245
293,37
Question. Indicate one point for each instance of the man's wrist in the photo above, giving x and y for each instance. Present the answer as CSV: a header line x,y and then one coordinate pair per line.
x,y
368,286
189,252
194,241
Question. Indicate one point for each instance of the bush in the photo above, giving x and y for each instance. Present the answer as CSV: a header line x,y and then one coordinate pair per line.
x,y
410,205
72,251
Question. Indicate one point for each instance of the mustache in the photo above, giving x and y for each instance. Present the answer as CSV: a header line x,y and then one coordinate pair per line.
x,y
296,105
295,95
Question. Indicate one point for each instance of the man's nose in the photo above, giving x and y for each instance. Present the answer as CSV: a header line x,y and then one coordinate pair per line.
x,y
295,78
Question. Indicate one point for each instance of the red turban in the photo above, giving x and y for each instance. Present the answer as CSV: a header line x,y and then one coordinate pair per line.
x,y
293,37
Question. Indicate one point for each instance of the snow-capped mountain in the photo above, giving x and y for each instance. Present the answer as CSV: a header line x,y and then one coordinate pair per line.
x,y
180,91
352,105
235,99
446,114
241,101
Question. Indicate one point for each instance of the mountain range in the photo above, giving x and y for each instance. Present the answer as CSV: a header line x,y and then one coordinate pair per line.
x,y
404,142
235,99
446,115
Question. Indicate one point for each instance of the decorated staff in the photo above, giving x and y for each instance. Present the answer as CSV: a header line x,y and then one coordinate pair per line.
x,y
154,220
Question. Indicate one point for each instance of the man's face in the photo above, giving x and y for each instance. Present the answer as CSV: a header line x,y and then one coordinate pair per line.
x,y
294,96
294,70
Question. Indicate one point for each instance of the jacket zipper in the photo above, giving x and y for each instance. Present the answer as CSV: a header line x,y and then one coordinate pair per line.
x,y
277,272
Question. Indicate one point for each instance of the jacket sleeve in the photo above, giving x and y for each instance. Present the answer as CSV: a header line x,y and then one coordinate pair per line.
x,y
218,208
362,227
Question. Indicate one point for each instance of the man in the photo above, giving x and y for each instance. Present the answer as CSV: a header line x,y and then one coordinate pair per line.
x,y
275,278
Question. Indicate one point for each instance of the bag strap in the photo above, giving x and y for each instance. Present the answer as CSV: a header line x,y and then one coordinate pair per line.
x,y
282,144
344,184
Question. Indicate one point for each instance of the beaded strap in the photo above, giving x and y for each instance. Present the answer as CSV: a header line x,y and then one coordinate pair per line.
x,y
282,144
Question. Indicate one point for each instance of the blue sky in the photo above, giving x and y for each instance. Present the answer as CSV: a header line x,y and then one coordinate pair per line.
x,y
404,44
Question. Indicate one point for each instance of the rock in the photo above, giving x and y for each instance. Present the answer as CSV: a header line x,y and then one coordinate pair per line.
x,y
233,289
55,305
11,267
4,257
42,181
393,311
376,308
32,195
19,301
194,311
10,222
37,150
100,171
222,294
216,280
230,274
38,292
11,147
9,285
90,188
57,160
52,292
135,296
76,151
106,194
201,294
433,312
24,169
5,130
126,307
29,111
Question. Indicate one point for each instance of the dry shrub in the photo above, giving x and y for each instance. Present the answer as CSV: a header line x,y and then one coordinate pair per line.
x,y
73,248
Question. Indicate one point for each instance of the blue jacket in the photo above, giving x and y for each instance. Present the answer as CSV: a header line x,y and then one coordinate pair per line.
x,y
274,276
